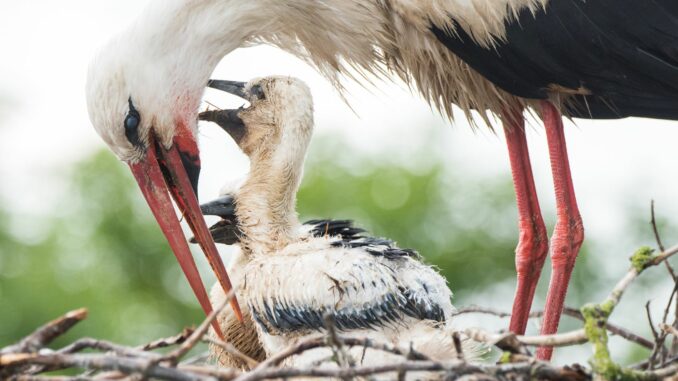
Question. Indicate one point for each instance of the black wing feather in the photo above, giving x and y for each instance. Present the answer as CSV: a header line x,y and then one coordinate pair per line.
x,y
623,52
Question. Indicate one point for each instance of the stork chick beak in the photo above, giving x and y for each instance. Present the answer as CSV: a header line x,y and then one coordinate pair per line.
x,y
232,87
175,171
228,119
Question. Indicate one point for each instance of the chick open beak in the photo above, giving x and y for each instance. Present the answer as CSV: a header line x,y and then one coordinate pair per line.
x,y
174,171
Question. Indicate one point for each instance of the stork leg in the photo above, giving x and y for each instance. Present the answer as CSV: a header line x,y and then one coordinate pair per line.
x,y
568,233
533,241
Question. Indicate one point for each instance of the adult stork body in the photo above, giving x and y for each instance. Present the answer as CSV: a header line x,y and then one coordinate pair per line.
x,y
590,59
290,275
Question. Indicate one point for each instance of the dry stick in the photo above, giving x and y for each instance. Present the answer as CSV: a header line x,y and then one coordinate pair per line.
x,y
669,329
89,343
343,358
674,343
664,320
197,359
210,371
643,364
108,362
47,333
195,337
51,378
659,337
569,311
140,351
232,350
640,261
655,334
168,341
653,222
453,369
621,286
102,345
556,340
320,341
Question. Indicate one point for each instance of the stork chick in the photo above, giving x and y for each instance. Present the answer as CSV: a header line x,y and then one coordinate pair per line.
x,y
290,274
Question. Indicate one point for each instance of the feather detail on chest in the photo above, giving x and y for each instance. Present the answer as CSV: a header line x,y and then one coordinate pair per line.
x,y
292,290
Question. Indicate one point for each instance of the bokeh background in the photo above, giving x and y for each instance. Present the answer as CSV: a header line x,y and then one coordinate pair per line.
x,y
75,231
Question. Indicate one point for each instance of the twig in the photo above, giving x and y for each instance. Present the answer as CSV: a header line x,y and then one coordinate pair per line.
x,y
569,311
512,342
597,315
102,345
105,362
174,356
665,316
319,341
202,357
343,358
453,369
47,333
664,320
137,363
669,329
168,341
643,364
231,350
655,334
51,378
653,222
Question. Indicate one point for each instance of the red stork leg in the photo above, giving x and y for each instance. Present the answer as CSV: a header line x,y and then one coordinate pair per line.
x,y
533,241
568,233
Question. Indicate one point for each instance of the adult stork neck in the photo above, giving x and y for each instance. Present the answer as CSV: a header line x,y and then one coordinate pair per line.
x,y
176,45
183,41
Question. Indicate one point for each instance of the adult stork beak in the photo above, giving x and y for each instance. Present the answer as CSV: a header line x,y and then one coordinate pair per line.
x,y
175,170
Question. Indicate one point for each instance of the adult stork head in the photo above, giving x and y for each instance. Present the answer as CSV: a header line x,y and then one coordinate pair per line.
x,y
143,93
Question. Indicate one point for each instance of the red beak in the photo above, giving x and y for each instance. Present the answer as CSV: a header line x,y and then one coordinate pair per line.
x,y
175,171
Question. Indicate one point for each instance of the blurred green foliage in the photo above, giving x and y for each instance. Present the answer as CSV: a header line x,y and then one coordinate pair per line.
x,y
102,248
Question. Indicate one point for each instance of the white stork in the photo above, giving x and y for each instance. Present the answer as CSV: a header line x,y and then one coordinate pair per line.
x,y
584,58
289,274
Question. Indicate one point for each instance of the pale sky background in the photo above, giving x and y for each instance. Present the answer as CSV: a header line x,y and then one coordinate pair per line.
x,y
47,45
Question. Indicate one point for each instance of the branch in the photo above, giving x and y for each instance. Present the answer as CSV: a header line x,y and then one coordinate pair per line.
x,y
569,311
174,356
108,362
233,351
47,333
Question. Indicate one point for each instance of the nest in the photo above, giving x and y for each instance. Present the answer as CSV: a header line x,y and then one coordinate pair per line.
x,y
31,359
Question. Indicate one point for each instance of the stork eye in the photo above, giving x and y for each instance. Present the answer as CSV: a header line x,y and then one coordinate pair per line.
x,y
132,122
258,92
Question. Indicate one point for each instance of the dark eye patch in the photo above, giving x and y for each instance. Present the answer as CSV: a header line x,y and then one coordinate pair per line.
x,y
132,122
258,92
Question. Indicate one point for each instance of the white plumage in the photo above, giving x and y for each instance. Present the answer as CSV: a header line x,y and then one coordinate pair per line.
x,y
594,59
290,275
164,59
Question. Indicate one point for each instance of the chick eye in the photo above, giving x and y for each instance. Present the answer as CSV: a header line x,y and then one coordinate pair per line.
x,y
132,122
258,92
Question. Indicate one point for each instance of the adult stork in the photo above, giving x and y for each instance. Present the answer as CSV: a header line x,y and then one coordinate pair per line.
x,y
291,275
590,59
